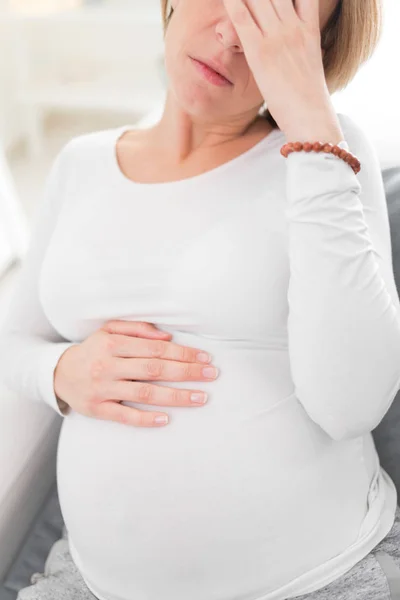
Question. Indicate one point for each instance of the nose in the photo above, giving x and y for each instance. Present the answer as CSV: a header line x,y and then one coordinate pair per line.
x,y
226,35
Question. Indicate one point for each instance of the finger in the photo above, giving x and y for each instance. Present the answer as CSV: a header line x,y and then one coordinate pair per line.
x,y
244,22
308,11
114,411
134,328
265,16
124,346
150,393
156,369
285,11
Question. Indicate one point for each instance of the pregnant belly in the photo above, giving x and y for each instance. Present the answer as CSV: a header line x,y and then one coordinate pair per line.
x,y
218,504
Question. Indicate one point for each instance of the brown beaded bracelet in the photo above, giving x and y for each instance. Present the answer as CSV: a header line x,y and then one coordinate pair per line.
x,y
348,157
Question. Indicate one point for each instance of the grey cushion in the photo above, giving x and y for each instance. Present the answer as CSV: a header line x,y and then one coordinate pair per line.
x,y
387,434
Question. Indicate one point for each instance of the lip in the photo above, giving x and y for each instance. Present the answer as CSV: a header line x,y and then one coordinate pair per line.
x,y
215,66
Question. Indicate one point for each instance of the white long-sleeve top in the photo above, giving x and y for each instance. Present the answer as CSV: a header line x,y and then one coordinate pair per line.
x,y
282,270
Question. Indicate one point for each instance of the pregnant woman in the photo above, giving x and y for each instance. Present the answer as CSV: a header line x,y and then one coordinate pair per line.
x,y
263,240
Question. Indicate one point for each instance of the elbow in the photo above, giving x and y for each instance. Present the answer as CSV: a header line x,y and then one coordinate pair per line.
x,y
342,429
346,418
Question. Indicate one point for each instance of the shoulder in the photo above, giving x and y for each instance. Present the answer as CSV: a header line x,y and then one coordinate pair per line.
x,y
84,151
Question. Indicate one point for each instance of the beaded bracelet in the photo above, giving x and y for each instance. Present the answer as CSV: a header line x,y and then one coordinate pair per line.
x,y
348,157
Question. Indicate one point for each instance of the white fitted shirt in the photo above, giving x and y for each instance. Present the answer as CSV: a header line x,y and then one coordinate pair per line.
x,y
281,269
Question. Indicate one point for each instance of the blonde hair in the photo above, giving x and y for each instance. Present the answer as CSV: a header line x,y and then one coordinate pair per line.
x,y
349,39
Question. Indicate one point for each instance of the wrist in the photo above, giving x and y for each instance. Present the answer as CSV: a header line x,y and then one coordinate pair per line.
x,y
58,381
317,125
311,134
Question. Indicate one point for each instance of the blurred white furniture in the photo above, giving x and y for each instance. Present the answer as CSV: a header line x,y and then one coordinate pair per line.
x,y
13,222
92,57
43,5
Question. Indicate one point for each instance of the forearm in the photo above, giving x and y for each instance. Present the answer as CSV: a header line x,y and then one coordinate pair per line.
x,y
27,367
344,324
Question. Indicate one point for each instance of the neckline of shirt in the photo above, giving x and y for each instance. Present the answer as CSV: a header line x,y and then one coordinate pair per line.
x,y
119,131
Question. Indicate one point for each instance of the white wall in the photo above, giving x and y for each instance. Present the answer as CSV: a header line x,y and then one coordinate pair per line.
x,y
123,53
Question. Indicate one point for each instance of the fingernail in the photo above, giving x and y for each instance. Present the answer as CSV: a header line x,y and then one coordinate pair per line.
x,y
161,419
203,357
199,398
210,372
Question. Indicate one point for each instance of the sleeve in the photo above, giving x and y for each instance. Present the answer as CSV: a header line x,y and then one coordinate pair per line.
x,y
344,310
29,346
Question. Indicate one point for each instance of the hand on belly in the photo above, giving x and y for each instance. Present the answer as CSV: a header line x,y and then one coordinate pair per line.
x,y
116,363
